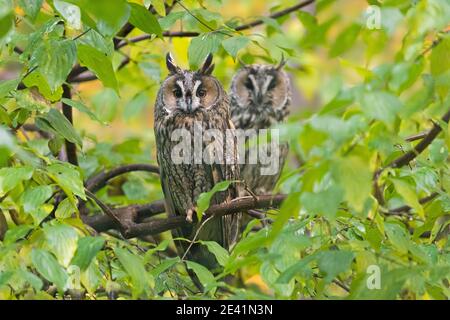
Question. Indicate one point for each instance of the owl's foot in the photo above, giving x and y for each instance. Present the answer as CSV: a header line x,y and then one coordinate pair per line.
x,y
189,213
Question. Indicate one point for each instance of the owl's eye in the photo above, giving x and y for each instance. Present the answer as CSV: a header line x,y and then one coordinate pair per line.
x,y
272,84
248,84
177,93
201,93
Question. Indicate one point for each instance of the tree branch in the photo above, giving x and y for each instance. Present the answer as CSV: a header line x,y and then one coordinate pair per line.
x,y
426,139
89,76
242,27
155,226
406,209
98,181
275,15
71,148
421,146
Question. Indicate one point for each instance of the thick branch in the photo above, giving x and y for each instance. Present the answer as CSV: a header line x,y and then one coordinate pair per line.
x,y
71,148
98,181
155,226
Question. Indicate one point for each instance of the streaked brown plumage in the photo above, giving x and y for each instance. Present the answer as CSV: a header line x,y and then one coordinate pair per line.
x,y
259,98
184,98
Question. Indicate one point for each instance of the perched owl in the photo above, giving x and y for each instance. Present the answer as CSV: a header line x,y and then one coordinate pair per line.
x,y
188,100
259,98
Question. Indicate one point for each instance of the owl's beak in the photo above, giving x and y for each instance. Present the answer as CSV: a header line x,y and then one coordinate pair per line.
x,y
259,97
188,100
189,103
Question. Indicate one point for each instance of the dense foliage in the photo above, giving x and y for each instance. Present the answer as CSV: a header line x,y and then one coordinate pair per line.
x,y
367,183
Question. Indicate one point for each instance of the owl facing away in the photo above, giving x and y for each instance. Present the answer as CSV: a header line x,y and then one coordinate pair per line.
x,y
185,100
259,98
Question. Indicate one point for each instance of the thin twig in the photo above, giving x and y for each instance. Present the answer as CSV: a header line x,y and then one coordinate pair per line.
x,y
406,209
242,27
421,146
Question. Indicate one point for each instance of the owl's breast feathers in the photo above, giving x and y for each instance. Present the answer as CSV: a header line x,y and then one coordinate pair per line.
x,y
183,183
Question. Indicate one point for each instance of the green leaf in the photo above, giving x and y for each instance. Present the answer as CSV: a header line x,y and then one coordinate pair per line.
x,y
7,86
70,12
62,126
409,194
54,59
162,246
82,108
234,44
324,202
163,266
168,21
6,18
143,19
87,249
251,242
34,197
345,40
398,236
136,105
31,8
440,57
204,275
65,209
62,241
404,75
158,5
355,177
98,63
438,151
219,252
201,46
32,279
205,198
16,233
46,264
381,105
334,262
106,16
5,276
36,79
151,69
11,177
68,178
299,268
134,267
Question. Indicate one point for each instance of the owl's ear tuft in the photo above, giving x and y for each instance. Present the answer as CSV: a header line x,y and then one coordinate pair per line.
x,y
207,67
171,66
281,64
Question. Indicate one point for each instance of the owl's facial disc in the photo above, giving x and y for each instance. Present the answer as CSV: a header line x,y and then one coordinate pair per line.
x,y
261,86
190,92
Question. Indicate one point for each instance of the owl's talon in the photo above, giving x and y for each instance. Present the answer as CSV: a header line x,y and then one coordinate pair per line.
x,y
189,214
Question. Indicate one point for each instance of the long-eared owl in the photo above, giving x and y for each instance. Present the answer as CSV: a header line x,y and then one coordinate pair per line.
x,y
189,101
259,98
